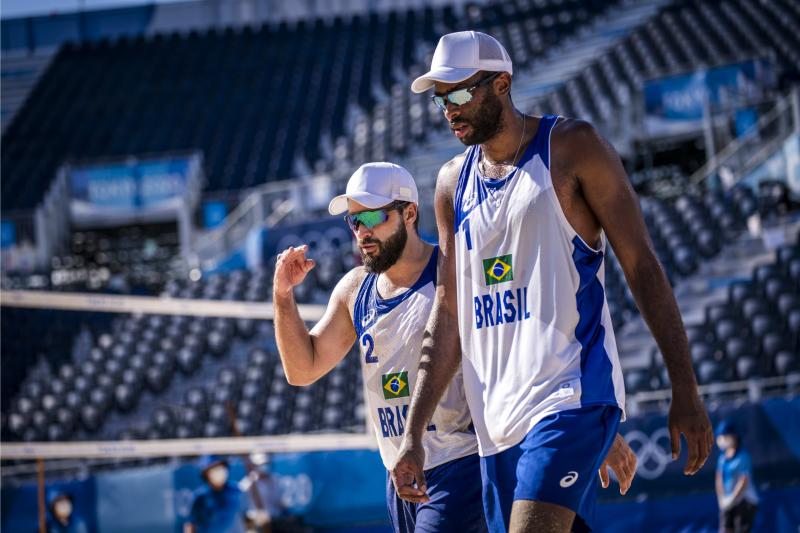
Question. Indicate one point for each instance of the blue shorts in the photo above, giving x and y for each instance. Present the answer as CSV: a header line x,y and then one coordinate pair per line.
x,y
455,500
556,462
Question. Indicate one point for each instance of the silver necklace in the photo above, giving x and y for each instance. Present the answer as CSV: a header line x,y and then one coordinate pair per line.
x,y
514,160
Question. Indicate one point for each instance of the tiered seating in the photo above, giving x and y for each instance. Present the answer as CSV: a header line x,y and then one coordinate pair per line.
x,y
35,341
126,259
257,102
257,396
755,333
685,233
146,355
526,28
684,36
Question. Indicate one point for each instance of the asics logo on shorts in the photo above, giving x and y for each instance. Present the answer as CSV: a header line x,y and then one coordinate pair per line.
x,y
568,480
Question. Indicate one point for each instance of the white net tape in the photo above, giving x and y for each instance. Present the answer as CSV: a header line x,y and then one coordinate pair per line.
x,y
113,303
186,447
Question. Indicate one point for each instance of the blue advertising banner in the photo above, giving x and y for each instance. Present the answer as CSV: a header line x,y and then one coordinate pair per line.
x,y
161,181
20,509
677,104
8,234
136,500
214,214
125,190
111,187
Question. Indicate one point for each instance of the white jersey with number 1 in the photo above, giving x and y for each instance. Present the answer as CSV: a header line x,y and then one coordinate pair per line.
x,y
389,335
535,328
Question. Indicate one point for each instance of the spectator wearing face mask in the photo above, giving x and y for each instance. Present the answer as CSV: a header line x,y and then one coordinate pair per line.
x,y
62,518
219,506
736,492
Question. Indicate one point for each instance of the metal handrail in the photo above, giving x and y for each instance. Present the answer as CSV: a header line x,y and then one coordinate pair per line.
x,y
713,165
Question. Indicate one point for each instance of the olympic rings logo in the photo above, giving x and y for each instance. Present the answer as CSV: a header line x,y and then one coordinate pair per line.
x,y
653,453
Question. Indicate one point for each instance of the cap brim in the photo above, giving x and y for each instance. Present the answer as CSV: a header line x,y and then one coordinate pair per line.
x,y
339,204
442,74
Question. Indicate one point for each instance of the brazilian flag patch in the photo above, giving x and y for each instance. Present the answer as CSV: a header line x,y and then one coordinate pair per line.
x,y
395,385
498,269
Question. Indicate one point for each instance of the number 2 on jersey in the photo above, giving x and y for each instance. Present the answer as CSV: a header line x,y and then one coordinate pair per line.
x,y
369,342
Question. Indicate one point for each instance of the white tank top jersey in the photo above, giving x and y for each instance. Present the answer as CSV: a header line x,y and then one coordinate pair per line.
x,y
536,333
390,333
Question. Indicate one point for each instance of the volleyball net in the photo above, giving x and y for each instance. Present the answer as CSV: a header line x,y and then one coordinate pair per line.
x,y
222,389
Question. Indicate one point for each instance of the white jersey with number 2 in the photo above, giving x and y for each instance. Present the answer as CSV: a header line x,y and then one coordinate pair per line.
x,y
389,335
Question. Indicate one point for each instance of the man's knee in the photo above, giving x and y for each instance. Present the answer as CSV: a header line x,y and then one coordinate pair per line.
x,y
541,517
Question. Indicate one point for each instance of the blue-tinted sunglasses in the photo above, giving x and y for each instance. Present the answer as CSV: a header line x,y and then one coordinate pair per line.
x,y
460,96
373,217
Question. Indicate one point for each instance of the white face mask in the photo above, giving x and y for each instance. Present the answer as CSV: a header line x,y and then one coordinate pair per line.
x,y
218,475
724,442
63,508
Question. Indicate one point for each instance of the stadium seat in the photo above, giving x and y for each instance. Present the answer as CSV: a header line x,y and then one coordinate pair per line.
x,y
218,412
213,429
271,425
711,371
90,417
737,292
728,328
773,343
786,362
125,397
764,323
224,395
66,418
752,306
73,400
157,378
787,302
716,313
188,360
702,351
636,380
196,400
775,287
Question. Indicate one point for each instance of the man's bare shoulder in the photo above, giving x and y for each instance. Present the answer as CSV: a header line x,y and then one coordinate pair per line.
x,y
350,282
447,179
575,132
577,146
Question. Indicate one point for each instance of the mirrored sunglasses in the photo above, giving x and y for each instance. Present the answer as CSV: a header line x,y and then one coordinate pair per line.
x,y
459,97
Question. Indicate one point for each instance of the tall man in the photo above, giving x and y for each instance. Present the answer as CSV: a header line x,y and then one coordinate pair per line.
x,y
523,218
384,306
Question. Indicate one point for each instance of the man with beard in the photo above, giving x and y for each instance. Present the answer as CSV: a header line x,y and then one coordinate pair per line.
x,y
384,305
523,217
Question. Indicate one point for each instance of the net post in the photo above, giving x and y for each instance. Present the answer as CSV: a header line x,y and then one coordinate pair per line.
x,y
40,495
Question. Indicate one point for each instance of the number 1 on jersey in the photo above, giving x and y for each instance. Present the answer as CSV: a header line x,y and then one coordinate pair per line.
x,y
369,342
467,234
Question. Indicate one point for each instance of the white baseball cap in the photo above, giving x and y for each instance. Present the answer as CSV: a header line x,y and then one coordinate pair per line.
x,y
375,185
460,55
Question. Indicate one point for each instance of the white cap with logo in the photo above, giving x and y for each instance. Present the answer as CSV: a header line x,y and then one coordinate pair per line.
x,y
375,185
460,55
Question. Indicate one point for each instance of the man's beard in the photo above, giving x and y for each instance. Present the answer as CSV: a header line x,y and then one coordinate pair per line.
x,y
486,123
388,251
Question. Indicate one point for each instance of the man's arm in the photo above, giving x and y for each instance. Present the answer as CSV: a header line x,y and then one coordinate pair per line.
x,y
307,356
441,349
718,488
738,490
611,199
